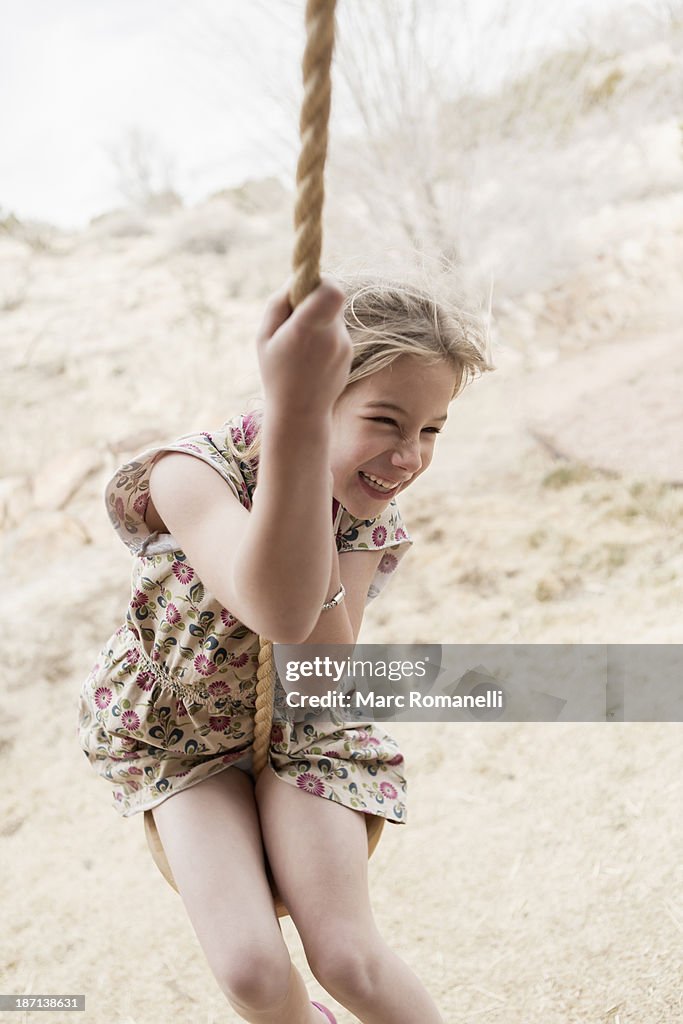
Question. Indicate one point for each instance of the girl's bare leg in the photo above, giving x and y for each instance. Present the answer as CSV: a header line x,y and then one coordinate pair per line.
x,y
318,854
213,843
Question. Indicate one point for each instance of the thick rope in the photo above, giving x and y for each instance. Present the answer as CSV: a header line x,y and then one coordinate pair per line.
x,y
306,260
265,695
308,209
315,113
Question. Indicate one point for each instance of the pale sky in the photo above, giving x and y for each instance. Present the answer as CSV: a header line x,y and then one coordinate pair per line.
x,y
202,79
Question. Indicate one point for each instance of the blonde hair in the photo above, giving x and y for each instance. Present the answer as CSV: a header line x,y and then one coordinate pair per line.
x,y
387,319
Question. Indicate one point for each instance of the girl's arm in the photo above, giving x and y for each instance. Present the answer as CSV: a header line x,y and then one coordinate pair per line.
x,y
283,561
271,567
341,625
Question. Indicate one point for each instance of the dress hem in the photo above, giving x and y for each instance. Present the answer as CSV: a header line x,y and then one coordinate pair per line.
x,y
140,807
361,810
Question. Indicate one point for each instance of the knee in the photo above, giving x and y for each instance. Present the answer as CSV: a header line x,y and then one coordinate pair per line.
x,y
348,962
256,978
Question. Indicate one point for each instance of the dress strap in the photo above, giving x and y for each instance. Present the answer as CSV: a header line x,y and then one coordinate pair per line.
x,y
337,513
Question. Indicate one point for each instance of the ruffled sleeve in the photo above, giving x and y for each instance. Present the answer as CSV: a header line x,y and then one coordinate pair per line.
x,y
386,532
126,495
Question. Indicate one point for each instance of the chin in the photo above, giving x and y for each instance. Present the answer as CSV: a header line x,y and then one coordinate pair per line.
x,y
360,513
360,505
359,510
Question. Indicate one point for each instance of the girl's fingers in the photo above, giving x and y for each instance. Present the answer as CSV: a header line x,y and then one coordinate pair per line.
x,y
321,307
276,312
318,310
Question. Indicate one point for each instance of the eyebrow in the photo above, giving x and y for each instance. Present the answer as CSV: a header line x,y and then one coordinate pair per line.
x,y
397,408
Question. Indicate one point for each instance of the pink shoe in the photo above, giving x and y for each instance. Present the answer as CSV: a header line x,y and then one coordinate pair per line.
x,y
323,1009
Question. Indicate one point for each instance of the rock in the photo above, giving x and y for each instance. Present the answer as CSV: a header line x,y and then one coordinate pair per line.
x,y
56,484
212,228
44,537
256,196
15,500
126,223
135,442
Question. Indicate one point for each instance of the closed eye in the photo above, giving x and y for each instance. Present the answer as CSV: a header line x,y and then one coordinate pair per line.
x,y
393,423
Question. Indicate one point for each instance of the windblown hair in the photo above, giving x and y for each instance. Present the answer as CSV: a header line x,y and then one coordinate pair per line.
x,y
387,319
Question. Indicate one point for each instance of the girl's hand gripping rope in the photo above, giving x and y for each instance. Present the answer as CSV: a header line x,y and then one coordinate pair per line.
x,y
304,355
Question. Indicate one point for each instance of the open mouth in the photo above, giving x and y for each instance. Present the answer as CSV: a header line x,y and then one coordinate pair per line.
x,y
376,487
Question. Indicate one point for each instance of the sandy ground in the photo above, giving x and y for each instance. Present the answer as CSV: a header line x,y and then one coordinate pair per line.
x,y
539,878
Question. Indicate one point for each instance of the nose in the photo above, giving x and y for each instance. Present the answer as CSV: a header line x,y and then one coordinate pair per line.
x,y
407,456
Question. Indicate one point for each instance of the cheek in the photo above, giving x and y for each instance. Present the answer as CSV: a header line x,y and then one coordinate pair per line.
x,y
346,458
361,448
427,453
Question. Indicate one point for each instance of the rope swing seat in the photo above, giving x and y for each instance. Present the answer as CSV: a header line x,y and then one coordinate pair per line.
x,y
315,111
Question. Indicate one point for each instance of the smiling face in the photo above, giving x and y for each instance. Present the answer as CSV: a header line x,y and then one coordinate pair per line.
x,y
385,428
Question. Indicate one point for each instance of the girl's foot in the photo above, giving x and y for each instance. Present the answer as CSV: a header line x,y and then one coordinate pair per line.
x,y
329,1016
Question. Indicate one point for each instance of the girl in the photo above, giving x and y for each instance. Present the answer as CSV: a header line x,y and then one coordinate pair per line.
x,y
357,384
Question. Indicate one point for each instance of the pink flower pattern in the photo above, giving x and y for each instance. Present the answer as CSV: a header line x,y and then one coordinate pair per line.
x,y
103,696
145,681
379,535
219,723
250,428
140,504
227,619
388,562
240,660
182,572
172,613
203,665
311,783
130,720
219,688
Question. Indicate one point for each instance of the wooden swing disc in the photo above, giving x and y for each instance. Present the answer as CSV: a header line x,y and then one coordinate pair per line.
x,y
373,822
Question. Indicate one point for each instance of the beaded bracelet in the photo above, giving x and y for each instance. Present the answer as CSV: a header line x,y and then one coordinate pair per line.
x,y
334,601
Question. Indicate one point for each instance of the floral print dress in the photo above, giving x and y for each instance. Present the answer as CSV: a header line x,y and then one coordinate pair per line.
x,y
171,697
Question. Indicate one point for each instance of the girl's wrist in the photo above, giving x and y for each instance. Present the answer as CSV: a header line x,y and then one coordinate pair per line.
x,y
293,447
335,600
283,420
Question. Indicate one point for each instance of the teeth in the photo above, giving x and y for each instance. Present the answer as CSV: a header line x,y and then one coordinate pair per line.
x,y
383,485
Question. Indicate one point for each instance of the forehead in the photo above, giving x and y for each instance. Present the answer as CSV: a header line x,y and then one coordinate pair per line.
x,y
409,382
